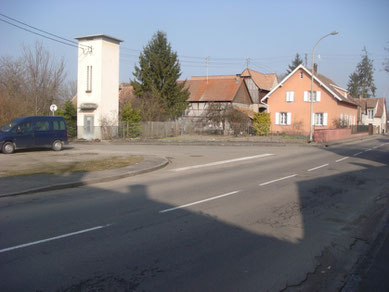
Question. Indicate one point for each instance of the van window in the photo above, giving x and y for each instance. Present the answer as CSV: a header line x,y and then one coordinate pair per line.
x,y
42,126
24,128
58,125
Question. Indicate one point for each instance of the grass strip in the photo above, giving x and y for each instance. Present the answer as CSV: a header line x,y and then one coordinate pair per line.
x,y
79,166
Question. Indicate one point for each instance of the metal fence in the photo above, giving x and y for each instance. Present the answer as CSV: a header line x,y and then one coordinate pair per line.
x,y
177,128
359,129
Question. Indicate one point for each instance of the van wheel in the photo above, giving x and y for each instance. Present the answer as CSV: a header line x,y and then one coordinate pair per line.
x,y
57,145
8,148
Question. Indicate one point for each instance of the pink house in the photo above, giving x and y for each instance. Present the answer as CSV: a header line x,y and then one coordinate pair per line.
x,y
289,104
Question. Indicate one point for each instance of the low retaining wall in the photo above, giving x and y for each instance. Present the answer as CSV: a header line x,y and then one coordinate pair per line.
x,y
327,135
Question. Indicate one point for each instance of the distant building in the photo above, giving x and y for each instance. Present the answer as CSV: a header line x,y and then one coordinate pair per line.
x,y
243,91
97,86
372,111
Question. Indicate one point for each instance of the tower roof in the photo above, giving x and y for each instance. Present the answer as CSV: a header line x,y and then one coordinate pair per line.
x,y
100,36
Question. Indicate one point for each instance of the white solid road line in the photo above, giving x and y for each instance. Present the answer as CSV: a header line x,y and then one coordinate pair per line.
x,y
324,165
199,202
272,181
356,154
53,238
222,162
344,158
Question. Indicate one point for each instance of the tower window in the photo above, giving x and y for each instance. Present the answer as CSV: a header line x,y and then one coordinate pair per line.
x,y
89,79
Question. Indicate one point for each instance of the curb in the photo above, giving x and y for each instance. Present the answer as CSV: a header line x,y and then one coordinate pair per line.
x,y
161,164
349,141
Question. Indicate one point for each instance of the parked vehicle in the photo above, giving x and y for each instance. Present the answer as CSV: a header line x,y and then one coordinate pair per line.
x,y
33,132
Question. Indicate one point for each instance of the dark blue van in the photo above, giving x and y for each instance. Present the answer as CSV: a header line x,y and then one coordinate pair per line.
x,y
33,132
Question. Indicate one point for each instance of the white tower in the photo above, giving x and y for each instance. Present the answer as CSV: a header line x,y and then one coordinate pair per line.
x,y
97,87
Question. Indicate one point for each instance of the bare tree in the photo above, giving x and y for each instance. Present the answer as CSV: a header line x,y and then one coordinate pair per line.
x,y
30,83
217,114
151,107
44,77
13,98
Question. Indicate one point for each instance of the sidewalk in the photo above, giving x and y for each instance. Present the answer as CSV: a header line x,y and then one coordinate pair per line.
x,y
17,185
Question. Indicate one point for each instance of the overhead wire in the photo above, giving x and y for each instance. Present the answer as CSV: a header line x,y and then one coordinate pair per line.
x,y
43,31
71,45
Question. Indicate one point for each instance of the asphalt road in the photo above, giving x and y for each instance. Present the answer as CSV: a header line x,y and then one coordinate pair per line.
x,y
218,218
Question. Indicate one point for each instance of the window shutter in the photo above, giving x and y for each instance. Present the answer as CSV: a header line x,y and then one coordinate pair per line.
x,y
306,94
325,119
277,119
288,118
318,97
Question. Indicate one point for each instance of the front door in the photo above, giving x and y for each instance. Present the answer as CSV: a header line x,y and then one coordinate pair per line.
x,y
88,127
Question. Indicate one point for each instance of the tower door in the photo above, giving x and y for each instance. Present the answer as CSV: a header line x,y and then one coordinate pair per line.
x,y
88,127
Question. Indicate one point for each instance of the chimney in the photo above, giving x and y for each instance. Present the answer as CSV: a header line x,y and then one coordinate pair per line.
x,y
237,78
315,69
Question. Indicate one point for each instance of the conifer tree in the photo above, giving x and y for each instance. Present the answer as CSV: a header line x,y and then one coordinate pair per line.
x,y
157,75
295,63
386,63
361,82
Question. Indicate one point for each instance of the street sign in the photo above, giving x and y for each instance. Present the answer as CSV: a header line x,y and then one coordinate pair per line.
x,y
53,108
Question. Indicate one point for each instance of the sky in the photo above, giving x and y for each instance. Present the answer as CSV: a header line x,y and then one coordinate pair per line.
x,y
269,33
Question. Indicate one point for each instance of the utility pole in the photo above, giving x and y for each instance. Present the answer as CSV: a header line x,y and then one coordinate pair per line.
x,y
306,59
247,63
312,76
207,64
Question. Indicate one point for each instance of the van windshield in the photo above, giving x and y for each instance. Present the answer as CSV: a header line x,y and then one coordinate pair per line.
x,y
8,126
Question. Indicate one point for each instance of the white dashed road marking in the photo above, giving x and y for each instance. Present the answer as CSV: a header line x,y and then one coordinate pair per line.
x,y
222,162
317,167
199,202
272,181
53,238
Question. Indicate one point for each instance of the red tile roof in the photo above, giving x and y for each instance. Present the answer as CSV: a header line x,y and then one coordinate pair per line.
x,y
263,81
217,89
334,88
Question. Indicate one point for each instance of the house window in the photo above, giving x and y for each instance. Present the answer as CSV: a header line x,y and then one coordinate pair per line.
x,y
370,113
301,75
321,119
89,79
290,96
316,96
283,118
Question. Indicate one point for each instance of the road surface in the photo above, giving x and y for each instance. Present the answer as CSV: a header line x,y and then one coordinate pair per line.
x,y
218,218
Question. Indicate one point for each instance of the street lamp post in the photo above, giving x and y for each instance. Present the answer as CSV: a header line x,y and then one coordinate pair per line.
x,y
313,72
